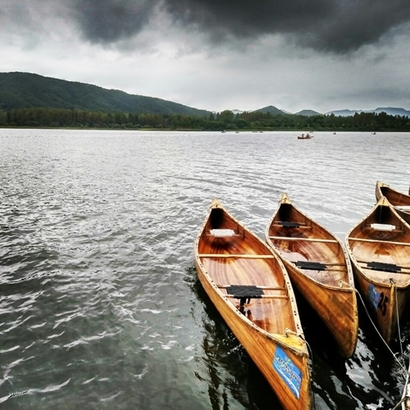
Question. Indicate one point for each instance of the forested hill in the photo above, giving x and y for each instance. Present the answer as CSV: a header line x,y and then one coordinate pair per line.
x,y
26,90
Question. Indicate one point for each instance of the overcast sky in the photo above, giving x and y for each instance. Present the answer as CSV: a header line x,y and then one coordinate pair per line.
x,y
219,54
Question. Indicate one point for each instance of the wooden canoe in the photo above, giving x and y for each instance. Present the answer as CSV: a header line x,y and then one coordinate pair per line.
x,y
319,268
250,287
379,248
400,201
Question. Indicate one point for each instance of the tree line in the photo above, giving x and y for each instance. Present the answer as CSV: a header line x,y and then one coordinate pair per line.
x,y
225,120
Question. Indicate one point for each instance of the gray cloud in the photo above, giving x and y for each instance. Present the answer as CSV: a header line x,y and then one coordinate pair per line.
x,y
338,26
106,21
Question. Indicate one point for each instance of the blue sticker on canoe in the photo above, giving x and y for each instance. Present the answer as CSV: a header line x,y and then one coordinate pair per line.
x,y
373,296
288,371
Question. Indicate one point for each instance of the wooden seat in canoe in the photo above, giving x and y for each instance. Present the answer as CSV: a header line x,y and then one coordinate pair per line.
x,y
385,267
247,292
290,224
257,286
310,265
222,233
383,227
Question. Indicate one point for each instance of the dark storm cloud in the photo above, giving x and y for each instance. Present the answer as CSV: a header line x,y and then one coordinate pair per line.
x,y
338,26
107,21
327,25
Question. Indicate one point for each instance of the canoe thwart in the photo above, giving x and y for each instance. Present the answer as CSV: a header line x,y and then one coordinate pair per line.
x,y
380,241
298,238
231,255
310,265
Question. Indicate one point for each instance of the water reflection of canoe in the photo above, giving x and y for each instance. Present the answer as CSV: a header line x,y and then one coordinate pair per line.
x,y
250,288
320,268
400,201
379,248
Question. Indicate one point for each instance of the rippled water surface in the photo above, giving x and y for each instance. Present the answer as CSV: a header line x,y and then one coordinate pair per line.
x,y
100,307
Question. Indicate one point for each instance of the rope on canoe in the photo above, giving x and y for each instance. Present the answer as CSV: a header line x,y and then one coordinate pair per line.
x,y
398,317
377,331
405,396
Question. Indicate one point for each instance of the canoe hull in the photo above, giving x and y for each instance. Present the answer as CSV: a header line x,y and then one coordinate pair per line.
x,y
379,248
265,351
319,267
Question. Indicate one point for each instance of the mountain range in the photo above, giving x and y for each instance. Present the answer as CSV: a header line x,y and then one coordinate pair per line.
x,y
28,90
340,113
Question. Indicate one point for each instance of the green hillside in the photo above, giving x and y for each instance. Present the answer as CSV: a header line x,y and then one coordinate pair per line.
x,y
25,90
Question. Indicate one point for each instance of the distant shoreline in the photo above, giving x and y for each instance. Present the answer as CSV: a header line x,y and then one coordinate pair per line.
x,y
298,131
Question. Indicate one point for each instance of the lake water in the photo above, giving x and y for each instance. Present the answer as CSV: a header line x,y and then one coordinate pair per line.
x,y
100,306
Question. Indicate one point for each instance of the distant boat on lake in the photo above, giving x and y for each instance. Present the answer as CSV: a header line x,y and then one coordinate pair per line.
x,y
305,137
